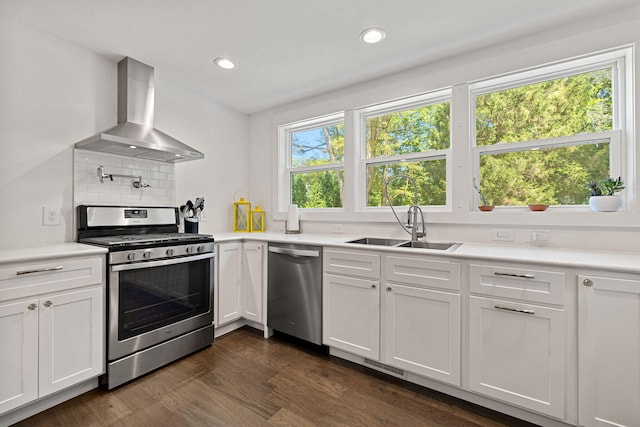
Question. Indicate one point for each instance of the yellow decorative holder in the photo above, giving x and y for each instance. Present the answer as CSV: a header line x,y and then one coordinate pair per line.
x,y
241,211
257,219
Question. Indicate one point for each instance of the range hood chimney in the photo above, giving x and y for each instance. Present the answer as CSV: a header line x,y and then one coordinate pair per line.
x,y
134,135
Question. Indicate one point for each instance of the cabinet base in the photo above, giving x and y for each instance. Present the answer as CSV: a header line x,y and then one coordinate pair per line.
x,y
456,392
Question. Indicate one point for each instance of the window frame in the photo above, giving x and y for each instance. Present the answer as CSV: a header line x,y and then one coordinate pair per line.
x,y
285,155
462,157
360,145
616,59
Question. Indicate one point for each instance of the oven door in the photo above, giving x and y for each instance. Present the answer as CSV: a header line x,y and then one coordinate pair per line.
x,y
154,301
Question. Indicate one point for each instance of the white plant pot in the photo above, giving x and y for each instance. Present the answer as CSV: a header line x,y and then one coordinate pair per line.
x,y
605,203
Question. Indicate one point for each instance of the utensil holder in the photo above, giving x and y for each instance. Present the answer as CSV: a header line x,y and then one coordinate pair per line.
x,y
191,225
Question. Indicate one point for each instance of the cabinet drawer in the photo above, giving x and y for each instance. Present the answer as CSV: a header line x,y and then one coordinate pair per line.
x,y
352,263
423,272
29,279
524,283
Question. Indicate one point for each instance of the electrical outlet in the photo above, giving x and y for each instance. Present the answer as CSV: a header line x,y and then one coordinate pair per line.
x,y
50,215
502,234
336,228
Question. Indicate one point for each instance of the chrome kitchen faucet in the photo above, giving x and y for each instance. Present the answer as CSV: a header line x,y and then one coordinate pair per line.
x,y
412,213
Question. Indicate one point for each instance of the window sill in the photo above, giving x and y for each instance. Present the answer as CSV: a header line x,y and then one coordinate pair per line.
x,y
569,218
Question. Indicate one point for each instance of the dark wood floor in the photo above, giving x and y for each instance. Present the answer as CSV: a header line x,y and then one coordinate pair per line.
x,y
245,380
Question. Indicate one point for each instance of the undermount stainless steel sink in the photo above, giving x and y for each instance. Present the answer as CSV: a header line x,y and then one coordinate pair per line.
x,y
427,245
400,243
377,241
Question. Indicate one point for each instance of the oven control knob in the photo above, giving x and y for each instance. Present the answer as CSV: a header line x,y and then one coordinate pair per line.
x,y
200,248
170,252
131,256
189,249
146,254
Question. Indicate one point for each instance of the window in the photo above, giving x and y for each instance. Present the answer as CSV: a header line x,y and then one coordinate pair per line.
x,y
406,138
533,136
540,139
315,162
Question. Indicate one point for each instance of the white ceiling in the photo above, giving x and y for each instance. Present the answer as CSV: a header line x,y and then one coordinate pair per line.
x,y
287,50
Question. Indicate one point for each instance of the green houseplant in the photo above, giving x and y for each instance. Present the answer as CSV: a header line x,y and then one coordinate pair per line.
x,y
603,196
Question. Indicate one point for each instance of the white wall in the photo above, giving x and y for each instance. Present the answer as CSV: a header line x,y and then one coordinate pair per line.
x,y
542,48
222,135
54,94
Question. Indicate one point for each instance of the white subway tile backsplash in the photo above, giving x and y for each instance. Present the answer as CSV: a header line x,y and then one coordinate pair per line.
x,y
109,198
158,175
98,188
131,164
89,190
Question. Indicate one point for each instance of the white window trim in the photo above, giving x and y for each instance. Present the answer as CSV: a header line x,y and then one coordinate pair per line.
x,y
612,137
462,165
285,169
618,59
363,162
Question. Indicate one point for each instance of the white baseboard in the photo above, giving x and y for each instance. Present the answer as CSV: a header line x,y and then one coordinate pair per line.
x,y
460,393
47,402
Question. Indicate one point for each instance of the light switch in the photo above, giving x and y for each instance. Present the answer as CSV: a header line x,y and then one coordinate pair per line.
x,y
540,236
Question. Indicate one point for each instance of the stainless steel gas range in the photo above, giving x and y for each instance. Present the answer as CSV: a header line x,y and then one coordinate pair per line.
x,y
159,287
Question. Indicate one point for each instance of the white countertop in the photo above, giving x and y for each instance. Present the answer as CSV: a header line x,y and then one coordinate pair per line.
x,y
624,262
48,251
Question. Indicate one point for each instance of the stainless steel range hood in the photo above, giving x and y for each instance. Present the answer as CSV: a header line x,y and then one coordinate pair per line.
x,y
134,135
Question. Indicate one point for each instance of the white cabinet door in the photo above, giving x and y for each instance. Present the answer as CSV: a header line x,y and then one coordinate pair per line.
x,y
252,281
229,281
351,315
517,354
609,351
71,330
18,354
421,331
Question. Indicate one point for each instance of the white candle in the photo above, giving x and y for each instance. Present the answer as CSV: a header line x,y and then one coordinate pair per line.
x,y
292,221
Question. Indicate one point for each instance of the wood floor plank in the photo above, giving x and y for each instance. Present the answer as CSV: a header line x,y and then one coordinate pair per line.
x,y
284,418
245,380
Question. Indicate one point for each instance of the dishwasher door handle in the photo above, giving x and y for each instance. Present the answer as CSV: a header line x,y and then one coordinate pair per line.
x,y
298,253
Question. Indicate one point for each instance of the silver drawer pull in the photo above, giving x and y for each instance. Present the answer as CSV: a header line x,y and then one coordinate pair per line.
x,y
40,270
523,276
517,310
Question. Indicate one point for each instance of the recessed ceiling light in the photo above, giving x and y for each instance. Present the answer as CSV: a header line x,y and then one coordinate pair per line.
x,y
373,35
225,63
133,147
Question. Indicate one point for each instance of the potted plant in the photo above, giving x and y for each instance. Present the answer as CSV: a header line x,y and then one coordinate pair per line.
x,y
603,196
485,206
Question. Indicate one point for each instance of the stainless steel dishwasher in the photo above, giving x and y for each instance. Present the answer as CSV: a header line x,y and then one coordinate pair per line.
x,y
295,290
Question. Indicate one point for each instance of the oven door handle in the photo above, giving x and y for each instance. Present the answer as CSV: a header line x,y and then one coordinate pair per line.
x,y
162,262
